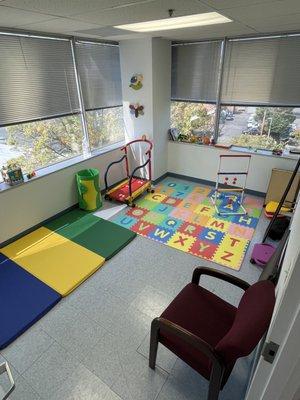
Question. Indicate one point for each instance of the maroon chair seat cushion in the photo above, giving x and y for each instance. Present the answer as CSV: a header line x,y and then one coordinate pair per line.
x,y
205,315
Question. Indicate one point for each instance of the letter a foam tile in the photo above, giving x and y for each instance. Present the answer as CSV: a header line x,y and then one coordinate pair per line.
x,y
55,260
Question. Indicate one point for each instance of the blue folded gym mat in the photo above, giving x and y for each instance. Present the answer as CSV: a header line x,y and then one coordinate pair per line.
x,y
24,299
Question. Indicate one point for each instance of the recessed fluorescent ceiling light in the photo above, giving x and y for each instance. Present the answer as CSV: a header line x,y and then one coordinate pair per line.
x,y
186,21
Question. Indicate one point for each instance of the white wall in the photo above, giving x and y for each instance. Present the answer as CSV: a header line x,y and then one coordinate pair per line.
x,y
161,72
202,162
150,57
31,203
136,57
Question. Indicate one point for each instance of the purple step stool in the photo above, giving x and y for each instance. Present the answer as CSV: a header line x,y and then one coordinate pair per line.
x,y
261,254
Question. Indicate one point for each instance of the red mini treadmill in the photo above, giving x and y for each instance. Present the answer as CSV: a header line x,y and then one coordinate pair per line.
x,y
132,186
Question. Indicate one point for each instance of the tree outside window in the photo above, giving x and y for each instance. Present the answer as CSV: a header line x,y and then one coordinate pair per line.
x,y
193,120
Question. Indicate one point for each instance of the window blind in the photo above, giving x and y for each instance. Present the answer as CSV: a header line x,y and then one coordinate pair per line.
x,y
262,72
195,71
100,75
37,79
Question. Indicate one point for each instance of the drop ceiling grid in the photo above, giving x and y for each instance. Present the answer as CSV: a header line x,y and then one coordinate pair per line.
x,y
95,18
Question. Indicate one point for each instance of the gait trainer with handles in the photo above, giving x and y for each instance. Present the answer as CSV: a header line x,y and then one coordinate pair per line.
x,y
132,186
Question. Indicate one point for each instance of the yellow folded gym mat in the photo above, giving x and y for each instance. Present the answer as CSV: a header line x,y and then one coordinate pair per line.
x,y
55,260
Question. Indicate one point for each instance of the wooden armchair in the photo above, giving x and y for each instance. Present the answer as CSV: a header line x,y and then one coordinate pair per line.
x,y
210,334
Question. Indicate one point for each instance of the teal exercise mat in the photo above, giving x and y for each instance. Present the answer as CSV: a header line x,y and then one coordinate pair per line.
x,y
95,234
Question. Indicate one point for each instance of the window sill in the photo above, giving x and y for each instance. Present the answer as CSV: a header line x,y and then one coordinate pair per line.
x,y
236,149
42,172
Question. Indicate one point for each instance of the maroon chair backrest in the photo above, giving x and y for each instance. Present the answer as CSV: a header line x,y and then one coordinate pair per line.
x,y
252,320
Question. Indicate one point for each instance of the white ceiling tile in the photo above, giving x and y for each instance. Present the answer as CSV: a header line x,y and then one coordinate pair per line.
x,y
206,32
277,24
223,4
274,23
67,8
10,17
125,37
157,9
279,28
257,12
59,25
102,32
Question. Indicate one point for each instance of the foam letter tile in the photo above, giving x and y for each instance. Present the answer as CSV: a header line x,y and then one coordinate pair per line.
x,y
195,198
211,236
198,219
245,220
217,224
143,228
146,204
241,231
190,229
187,205
181,241
125,220
136,212
204,210
161,234
201,190
155,197
202,248
172,201
163,209
231,251
172,223
154,218
181,213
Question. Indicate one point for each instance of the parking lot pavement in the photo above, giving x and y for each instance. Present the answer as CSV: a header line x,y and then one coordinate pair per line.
x,y
235,127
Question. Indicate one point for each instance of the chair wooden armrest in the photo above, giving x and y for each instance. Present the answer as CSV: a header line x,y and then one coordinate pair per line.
x,y
219,275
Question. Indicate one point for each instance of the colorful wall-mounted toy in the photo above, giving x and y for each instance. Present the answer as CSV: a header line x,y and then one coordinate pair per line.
x,y
136,109
136,81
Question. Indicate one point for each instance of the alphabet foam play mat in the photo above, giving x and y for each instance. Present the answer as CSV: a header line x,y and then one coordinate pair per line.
x,y
181,215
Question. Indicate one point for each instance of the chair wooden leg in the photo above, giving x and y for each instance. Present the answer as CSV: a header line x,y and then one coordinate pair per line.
x,y
215,383
153,343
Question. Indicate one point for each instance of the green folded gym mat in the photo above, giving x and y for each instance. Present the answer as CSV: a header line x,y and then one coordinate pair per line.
x,y
95,234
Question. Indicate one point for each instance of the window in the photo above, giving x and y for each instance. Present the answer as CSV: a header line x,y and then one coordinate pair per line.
x,y
41,112
260,127
38,144
259,91
37,79
105,126
193,120
100,75
194,89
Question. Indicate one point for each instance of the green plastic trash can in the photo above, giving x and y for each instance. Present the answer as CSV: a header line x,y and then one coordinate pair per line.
x,y
89,196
